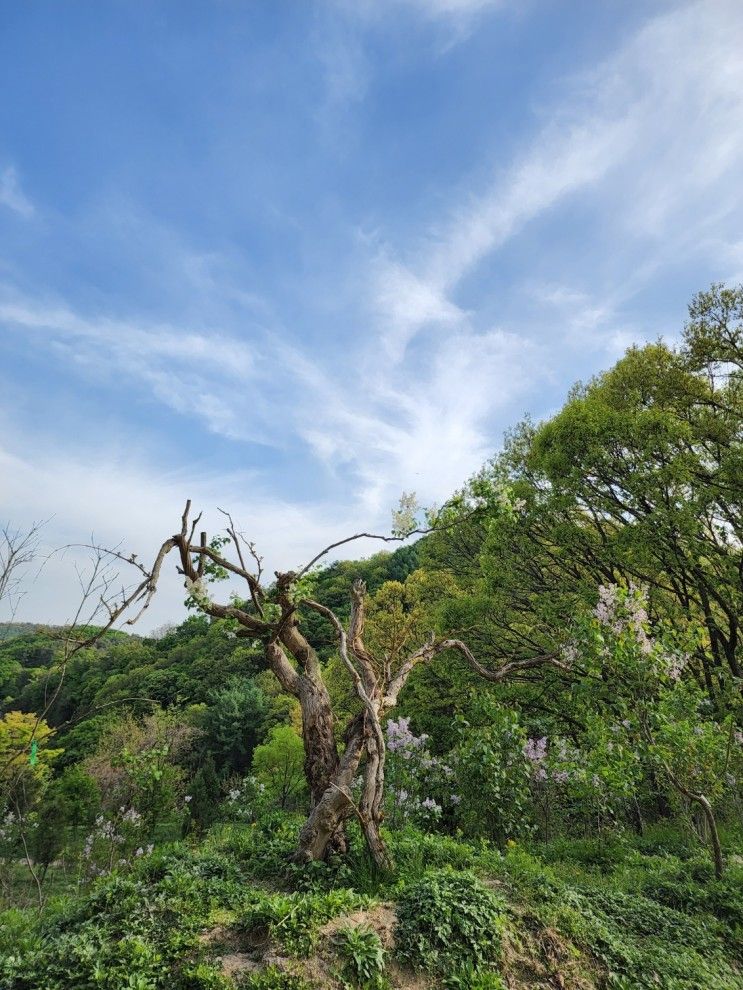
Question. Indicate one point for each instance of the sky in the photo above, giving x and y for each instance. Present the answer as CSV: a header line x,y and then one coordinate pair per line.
x,y
294,257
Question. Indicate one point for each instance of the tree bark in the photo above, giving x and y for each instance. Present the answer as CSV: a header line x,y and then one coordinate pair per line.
x,y
714,835
324,830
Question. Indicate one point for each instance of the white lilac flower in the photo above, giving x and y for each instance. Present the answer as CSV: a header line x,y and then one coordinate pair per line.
x,y
606,606
535,750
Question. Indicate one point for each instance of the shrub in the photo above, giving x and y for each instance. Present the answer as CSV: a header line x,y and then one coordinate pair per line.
x,y
294,919
470,977
273,978
528,876
606,852
446,920
644,945
263,851
361,949
492,772
413,851
278,764
204,976
692,887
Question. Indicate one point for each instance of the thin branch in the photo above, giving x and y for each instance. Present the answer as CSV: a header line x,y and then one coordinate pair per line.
x,y
423,531
501,673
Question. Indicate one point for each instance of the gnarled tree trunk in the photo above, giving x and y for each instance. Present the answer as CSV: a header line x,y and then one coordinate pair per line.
x,y
330,773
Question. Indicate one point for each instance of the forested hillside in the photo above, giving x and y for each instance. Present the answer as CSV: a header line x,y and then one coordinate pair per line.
x,y
506,751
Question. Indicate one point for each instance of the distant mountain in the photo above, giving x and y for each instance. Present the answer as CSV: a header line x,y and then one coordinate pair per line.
x,y
8,630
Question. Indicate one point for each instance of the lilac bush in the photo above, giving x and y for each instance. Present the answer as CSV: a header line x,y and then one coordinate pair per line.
x,y
116,840
420,787
494,762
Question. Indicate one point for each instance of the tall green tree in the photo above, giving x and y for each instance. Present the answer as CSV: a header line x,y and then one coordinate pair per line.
x,y
235,722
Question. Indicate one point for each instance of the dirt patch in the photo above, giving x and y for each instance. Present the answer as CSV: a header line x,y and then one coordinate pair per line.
x,y
236,952
402,978
241,952
221,936
539,958
381,918
234,964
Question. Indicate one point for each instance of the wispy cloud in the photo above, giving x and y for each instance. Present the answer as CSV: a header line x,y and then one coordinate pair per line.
x,y
129,504
452,10
406,302
375,426
12,195
657,130
191,372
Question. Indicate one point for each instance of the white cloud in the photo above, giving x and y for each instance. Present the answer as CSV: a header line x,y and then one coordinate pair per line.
x,y
372,425
452,10
562,161
426,428
656,131
11,194
406,303
559,164
134,506
186,370
345,65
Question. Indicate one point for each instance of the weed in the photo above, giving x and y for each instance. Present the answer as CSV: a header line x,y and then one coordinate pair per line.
x,y
361,949
448,919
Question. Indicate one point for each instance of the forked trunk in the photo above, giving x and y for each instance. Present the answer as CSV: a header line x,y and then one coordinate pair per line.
x,y
324,831
321,762
370,806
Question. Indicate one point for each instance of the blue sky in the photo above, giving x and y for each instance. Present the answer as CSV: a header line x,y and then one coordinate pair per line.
x,y
294,258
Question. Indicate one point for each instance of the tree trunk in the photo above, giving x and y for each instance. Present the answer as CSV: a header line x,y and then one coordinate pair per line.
x,y
713,833
324,831
370,808
321,762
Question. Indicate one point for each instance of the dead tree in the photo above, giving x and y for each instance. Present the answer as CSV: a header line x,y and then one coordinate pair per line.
x,y
271,617
18,548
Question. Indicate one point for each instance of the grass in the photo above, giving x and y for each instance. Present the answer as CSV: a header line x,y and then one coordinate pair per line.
x,y
626,913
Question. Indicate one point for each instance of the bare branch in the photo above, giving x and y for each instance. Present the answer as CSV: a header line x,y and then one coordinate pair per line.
x,y
254,580
330,615
423,531
507,669
95,587
17,548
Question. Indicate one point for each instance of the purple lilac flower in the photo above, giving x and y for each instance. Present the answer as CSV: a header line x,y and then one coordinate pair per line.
x,y
535,750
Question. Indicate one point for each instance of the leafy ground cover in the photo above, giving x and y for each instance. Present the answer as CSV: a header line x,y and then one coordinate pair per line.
x,y
231,911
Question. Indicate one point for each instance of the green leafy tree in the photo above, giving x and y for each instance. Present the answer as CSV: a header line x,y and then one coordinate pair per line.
x,y
205,791
278,764
492,772
658,717
235,722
